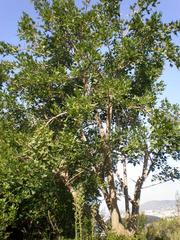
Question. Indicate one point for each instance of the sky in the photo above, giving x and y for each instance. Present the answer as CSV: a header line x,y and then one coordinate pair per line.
x,y
10,13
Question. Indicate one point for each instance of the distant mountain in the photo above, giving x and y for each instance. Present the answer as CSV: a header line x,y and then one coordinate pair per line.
x,y
158,205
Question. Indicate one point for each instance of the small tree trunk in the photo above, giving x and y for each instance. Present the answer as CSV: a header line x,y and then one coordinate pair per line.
x,y
116,221
132,224
133,219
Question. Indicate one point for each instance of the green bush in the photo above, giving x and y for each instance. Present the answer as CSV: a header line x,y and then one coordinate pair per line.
x,y
165,229
112,236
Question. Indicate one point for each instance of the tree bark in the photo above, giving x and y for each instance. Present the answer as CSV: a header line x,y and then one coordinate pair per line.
x,y
125,190
116,221
110,194
132,223
100,221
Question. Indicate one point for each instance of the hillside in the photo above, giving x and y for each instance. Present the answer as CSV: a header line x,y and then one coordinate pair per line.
x,y
158,205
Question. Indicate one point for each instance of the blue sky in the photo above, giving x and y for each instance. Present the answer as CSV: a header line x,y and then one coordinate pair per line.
x,y
10,12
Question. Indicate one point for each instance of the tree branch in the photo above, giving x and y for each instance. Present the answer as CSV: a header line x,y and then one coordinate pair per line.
x,y
55,117
152,185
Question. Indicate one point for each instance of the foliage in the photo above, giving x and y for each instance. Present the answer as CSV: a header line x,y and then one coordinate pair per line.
x,y
34,201
166,229
139,236
141,224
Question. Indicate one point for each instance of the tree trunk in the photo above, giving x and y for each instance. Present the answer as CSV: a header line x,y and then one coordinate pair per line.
x,y
116,221
125,190
132,223
110,195
133,220
102,225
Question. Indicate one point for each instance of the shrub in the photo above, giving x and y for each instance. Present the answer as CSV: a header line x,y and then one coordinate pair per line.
x,y
112,236
165,229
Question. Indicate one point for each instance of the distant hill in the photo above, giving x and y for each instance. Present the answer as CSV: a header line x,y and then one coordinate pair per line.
x,y
151,219
158,205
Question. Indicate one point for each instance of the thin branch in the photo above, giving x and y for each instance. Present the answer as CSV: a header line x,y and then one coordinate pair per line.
x,y
145,164
122,184
99,124
51,223
152,185
55,117
73,178
133,180
151,165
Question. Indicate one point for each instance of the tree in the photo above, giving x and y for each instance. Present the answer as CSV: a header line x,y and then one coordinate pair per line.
x,y
152,145
84,78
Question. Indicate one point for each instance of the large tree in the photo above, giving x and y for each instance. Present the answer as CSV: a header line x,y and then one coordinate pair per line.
x,y
79,90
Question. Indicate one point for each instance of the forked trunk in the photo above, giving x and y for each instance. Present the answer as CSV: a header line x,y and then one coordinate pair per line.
x,y
117,226
116,221
133,220
111,194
